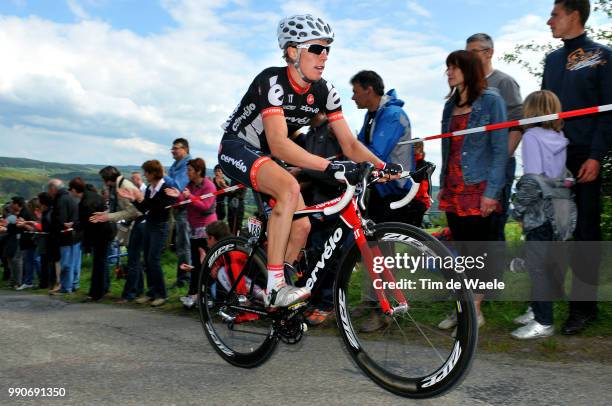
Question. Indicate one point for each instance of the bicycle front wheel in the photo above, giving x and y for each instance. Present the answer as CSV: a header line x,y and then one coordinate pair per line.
x,y
231,303
405,353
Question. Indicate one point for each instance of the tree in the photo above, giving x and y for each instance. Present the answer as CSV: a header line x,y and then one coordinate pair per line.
x,y
519,55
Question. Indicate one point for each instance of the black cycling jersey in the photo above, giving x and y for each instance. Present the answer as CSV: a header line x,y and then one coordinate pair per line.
x,y
274,92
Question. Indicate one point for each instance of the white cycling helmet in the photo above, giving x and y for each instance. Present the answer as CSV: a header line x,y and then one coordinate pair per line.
x,y
301,28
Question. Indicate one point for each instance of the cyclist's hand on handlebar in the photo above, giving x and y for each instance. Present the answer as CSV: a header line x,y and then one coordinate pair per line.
x,y
390,171
349,169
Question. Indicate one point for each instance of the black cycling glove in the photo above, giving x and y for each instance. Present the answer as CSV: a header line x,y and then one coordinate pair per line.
x,y
349,168
393,169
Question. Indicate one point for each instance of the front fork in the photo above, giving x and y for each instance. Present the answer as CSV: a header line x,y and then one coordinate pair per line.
x,y
351,216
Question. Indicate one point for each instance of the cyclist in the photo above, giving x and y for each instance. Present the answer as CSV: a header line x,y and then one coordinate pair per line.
x,y
279,101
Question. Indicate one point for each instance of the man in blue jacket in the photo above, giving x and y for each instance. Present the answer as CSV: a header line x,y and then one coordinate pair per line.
x,y
178,174
385,124
580,74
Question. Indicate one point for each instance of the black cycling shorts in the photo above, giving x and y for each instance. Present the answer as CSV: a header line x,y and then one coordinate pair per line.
x,y
241,161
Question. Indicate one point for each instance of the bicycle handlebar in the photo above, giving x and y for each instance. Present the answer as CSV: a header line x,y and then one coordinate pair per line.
x,y
406,199
345,199
416,178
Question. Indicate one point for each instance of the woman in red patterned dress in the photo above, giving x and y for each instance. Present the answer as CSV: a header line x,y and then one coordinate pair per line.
x,y
472,165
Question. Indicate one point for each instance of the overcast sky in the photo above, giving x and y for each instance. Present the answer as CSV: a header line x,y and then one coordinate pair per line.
x,y
115,81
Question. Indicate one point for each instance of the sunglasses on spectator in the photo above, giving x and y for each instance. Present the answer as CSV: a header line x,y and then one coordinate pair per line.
x,y
315,48
480,50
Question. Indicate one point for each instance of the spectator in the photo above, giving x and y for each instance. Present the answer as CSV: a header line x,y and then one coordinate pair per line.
x,y
138,182
220,183
17,243
580,74
422,200
29,244
385,124
153,204
235,208
121,210
216,231
63,216
473,166
6,273
544,155
200,213
178,174
482,45
48,246
96,236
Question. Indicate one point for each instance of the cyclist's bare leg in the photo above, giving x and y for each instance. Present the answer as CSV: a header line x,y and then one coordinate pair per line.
x,y
278,183
300,229
284,188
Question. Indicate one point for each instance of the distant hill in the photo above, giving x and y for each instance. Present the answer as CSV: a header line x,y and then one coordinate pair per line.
x,y
28,177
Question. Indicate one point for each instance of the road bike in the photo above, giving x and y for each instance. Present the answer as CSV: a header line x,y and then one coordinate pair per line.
x,y
386,269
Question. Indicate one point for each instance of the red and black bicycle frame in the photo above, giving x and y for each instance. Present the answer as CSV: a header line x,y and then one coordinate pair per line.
x,y
349,222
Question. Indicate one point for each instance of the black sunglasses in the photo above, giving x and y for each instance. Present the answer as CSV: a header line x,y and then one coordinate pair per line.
x,y
316,49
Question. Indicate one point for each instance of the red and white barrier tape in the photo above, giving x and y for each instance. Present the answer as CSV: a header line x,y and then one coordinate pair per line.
x,y
516,123
206,196
46,233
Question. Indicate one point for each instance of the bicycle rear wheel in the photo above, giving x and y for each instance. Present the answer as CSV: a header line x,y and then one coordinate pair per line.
x,y
231,306
405,353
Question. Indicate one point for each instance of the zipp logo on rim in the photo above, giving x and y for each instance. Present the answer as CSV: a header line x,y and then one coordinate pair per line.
x,y
412,241
218,342
218,253
348,329
446,368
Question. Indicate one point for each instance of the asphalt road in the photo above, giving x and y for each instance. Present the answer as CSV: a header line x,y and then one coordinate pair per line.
x,y
114,355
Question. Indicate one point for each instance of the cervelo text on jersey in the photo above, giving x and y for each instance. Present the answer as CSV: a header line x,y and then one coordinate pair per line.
x,y
272,92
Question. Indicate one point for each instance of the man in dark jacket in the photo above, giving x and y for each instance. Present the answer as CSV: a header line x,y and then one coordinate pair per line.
x,y
17,242
580,74
96,236
65,214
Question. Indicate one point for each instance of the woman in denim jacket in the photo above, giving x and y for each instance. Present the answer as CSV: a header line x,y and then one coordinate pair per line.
x,y
473,166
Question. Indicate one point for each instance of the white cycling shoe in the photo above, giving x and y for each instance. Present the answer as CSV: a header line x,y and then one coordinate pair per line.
x,y
286,296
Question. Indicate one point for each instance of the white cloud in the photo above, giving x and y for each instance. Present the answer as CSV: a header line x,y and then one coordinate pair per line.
x,y
77,9
140,145
418,9
314,7
88,78
113,96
